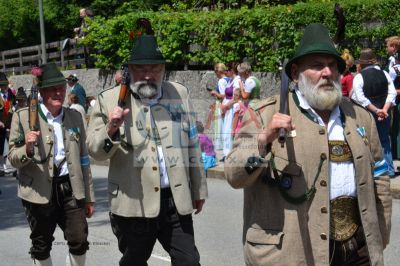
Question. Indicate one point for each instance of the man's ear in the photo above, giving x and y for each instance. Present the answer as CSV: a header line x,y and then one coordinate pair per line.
x,y
295,72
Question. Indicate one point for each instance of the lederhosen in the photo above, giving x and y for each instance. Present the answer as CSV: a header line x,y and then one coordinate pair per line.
x,y
62,210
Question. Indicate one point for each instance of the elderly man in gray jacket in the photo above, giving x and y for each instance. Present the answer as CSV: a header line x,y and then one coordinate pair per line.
x,y
323,197
156,178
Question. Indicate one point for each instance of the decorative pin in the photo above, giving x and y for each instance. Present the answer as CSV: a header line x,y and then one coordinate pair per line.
x,y
74,133
49,140
361,131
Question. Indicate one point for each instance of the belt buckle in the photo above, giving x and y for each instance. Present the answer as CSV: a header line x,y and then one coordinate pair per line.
x,y
339,151
345,219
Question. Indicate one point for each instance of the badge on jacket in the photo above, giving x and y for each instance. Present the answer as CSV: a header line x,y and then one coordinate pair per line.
x,y
361,131
49,140
74,133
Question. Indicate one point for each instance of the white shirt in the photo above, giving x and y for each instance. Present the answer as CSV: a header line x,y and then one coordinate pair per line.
x,y
164,179
249,84
222,85
392,72
59,152
358,93
236,84
341,174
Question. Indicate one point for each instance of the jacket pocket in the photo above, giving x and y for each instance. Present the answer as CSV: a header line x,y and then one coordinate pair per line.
x,y
264,237
113,188
262,246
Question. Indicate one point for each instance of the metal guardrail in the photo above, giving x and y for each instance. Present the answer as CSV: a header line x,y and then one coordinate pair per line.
x,y
65,54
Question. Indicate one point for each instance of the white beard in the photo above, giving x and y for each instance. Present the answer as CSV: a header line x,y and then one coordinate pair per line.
x,y
145,90
323,96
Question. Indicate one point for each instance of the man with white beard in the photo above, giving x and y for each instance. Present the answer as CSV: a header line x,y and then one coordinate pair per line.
x,y
316,199
156,179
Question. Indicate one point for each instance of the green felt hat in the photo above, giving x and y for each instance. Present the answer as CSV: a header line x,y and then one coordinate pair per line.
x,y
49,76
3,79
146,51
315,40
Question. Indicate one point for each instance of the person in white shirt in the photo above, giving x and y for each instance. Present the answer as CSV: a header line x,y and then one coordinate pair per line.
x,y
392,46
73,103
374,90
54,176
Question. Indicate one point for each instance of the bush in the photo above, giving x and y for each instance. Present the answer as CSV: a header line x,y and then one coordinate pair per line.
x,y
264,35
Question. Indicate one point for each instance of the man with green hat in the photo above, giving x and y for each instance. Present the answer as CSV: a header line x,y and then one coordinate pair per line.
x,y
55,181
321,195
156,179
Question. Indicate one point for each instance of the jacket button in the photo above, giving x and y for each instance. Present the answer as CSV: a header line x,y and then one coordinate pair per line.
x,y
154,168
323,183
153,149
322,131
323,156
145,109
324,210
156,189
323,236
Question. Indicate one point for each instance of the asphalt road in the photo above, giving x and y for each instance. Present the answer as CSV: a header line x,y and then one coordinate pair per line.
x,y
217,229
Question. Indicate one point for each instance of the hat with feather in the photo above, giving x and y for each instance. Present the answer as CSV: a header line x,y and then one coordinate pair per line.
x,y
145,49
48,75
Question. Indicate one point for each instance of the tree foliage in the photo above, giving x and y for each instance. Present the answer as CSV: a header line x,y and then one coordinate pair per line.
x,y
190,34
19,19
263,35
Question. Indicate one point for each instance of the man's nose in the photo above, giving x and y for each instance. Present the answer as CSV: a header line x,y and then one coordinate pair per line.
x,y
327,71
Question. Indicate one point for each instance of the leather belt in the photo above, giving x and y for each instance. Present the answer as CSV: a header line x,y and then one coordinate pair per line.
x,y
344,218
339,151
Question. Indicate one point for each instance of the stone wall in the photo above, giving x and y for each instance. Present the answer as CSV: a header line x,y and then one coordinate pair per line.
x,y
95,80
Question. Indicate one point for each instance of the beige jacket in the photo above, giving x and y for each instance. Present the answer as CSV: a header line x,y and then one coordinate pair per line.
x,y
134,177
276,232
35,179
